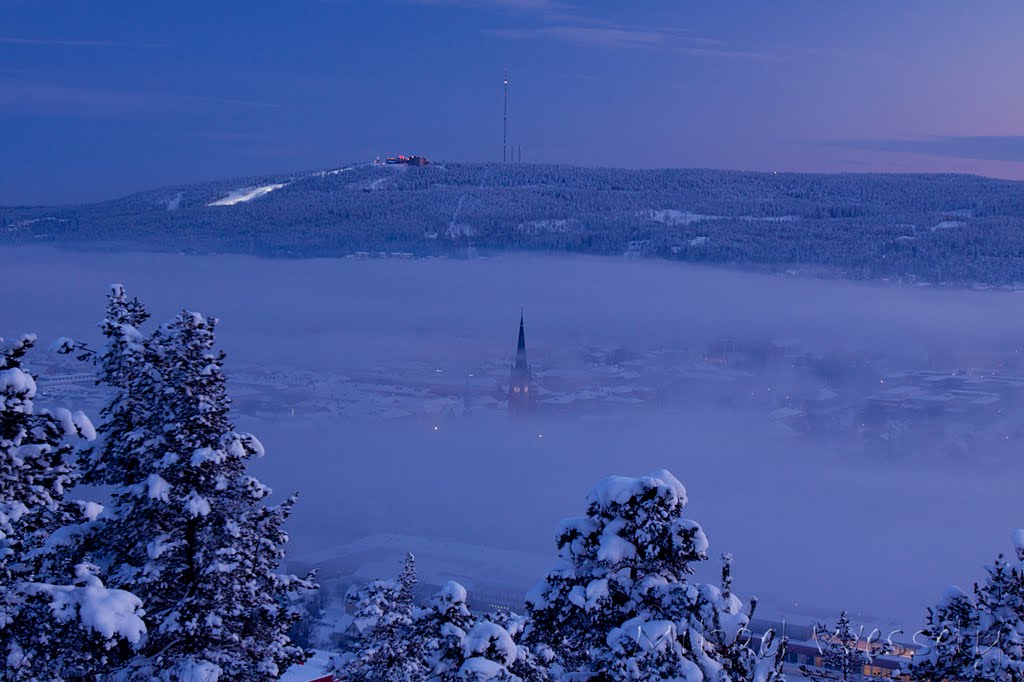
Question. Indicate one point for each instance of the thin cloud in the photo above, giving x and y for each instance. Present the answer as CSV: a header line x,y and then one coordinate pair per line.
x,y
605,35
54,42
727,53
587,36
564,23
978,147
491,4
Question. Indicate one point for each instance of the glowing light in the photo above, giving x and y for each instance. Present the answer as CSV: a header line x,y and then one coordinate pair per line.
x,y
435,428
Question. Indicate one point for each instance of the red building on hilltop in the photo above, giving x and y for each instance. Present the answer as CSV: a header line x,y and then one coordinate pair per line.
x,y
401,159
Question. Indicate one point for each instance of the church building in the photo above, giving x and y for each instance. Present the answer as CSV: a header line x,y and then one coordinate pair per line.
x,y
520,392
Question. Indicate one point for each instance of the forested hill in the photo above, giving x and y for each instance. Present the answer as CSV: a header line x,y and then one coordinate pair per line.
x,y
936,228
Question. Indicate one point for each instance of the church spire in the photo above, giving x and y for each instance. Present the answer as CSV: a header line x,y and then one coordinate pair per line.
x,y
521,346
520,399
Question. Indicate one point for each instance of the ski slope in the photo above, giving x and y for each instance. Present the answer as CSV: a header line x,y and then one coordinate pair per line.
x,y
245,194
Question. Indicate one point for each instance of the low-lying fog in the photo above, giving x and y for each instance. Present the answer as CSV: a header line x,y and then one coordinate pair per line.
x,y
809,520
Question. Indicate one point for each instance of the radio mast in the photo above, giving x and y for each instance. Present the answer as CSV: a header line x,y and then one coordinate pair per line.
x,y
504,139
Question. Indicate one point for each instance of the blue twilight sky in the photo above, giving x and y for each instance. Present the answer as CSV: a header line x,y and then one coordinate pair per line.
x,y
98,99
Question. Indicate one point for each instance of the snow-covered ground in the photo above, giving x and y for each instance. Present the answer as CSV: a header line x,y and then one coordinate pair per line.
x,y
316,667
905,529
244,194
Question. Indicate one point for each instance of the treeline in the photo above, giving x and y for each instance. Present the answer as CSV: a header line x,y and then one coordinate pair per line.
x,y
935,228
623,605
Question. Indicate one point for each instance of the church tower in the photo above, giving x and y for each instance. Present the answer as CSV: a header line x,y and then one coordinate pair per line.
x,y
520,395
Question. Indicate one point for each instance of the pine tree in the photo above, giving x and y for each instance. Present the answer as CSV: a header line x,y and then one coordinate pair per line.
x,y
190,533
438,630
841,655
57,620
369,604
441,641
129,365
978,636
624,607
388,650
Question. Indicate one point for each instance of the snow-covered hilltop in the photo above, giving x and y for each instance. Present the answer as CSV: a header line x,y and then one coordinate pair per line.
x,y
931,228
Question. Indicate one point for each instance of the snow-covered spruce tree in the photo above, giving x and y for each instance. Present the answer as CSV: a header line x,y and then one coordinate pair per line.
x,y
438,630
841,655
128,363
388,651
978,636
190,533
623,606
57,620
442,641
369,603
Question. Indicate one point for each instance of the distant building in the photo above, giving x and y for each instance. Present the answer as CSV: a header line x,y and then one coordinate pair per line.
x,y
520,395
401,159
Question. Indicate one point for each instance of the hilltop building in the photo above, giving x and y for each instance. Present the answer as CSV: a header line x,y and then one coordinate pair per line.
x,y
520,395
402,160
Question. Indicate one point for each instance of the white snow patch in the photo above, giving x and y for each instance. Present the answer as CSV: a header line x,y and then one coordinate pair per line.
x,y
158,488
488,638
91,510
671,216
454,231
648,635
547,226
619,489
156,548
771,218
63,415
203,455
480,669
948,225
196,505
107,611
317,666
612,547
453,592
1018,543
336,171
18,381
246,194
84,424
194,670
